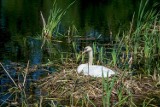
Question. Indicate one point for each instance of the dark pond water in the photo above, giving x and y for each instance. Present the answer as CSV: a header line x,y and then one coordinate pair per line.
x,y
21,18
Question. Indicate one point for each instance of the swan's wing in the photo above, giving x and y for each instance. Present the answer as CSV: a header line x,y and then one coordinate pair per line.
x,y
81,67
97,71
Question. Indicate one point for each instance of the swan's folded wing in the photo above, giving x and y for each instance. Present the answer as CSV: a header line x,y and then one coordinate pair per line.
x,y
97,71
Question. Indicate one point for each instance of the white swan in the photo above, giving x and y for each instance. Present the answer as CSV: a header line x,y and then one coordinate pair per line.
x,y
93,70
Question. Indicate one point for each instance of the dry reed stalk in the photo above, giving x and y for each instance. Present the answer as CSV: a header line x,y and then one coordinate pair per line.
x,y
9,75
68,84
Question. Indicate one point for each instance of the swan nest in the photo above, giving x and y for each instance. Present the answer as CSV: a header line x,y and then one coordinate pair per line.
x,y
69,87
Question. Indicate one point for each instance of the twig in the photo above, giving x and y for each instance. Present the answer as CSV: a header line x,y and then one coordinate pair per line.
x,y
26,73
40,102
5,101
9,75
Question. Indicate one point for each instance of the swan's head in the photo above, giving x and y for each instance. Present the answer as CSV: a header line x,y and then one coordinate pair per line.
x,y
87,49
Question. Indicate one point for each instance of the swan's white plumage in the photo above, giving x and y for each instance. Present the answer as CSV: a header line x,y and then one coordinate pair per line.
x,y
81,67
93,70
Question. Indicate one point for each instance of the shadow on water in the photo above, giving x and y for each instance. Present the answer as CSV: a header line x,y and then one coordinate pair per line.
x,y
34,50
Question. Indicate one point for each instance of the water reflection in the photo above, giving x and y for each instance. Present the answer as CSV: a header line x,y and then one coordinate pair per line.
x,y
21,18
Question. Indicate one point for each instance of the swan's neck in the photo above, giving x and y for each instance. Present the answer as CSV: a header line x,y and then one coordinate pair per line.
x,y
90,61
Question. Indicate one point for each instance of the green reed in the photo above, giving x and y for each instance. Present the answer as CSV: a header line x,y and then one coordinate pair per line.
x,y
54,18
94,45
101,55
147,103
142,41
88,102
121,98
50,27
107,87
77,55
114,57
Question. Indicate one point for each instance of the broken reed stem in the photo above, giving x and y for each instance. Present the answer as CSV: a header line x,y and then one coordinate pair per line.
x,y
44,28
26,73
40,102
9,75
43,20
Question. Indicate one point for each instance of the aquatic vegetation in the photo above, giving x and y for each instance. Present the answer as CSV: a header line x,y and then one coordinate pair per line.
x,y
108,87
77,55
140,42
135,52
101,55
114,57
49,28
18,90
54,19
